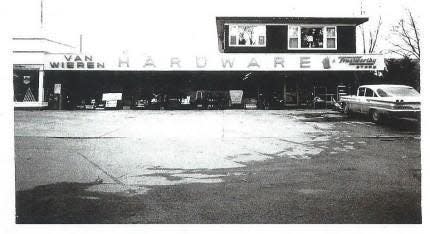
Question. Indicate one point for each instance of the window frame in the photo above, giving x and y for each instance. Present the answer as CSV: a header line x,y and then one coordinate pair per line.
x,y
325,36
237,39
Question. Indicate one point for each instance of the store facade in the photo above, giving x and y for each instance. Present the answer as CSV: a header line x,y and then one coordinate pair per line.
x,y
274,62
29,54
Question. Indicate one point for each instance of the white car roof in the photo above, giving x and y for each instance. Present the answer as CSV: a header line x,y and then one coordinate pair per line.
x,y
383,86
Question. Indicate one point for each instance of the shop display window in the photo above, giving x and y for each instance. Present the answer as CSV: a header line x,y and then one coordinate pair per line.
x,y
25,85
247,35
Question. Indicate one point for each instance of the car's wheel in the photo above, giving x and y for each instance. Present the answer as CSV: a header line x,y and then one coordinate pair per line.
x,y
347,110
376,116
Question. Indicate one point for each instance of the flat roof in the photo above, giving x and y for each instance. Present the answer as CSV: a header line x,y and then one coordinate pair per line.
x,y
42,39
293,20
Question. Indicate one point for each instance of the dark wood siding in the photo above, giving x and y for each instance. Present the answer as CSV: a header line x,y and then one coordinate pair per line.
x,y
277,36
346,42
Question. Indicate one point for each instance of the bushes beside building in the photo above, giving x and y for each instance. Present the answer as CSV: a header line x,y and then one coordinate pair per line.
x,y
404,71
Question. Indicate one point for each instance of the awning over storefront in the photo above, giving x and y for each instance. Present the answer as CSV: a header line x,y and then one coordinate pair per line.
x,y
219,62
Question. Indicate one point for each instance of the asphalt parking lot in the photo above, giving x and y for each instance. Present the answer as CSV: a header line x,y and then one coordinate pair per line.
x,y
233,166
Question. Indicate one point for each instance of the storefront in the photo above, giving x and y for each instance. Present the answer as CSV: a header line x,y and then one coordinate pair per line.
x,y
273,62
29,54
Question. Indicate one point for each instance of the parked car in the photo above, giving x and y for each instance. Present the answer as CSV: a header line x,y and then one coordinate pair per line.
x,y
382,101
250,103
210,99
173,103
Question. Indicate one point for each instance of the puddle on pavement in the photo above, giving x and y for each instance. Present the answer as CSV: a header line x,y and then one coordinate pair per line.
x,y
302,152
179,179
89,198
322,117
127,190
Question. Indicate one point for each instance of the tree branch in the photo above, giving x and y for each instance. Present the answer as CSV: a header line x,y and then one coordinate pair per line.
x,y
377,33
417,38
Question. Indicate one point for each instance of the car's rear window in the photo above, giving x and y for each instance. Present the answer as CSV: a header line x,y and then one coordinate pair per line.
x,y
382,93
398,91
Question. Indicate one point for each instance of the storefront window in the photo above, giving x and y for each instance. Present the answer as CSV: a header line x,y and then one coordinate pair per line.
x,y
25,85
247,35
312,37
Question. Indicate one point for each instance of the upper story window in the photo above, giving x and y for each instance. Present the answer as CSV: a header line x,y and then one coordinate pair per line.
x,y
312,37
247,35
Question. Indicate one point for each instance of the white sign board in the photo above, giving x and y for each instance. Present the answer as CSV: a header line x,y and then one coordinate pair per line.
x,y
236,96
57,88
112,96
111,104
219,62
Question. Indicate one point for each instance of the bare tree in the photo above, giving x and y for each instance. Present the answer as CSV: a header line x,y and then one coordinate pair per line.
x,y
249,31
408,38
370,40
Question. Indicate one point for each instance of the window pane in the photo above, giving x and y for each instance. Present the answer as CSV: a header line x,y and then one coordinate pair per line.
x,y
402,91
312,37
232,40
248,35
331,43
261,40
25,85
293,31
382,93
293,43
369,93
331,32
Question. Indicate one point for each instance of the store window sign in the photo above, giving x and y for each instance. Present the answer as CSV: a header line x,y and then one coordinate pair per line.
x,y
26,80
57,88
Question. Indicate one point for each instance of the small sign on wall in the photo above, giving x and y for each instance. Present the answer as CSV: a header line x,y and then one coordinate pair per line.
x,y
26,80
236,96
57,88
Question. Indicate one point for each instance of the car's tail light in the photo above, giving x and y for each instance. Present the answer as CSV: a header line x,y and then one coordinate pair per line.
x,y
402,107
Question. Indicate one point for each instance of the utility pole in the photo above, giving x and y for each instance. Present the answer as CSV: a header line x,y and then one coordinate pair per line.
x,y
362,8
41,14
80,43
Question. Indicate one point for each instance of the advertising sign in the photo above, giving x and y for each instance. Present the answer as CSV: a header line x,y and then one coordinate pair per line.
x,y
111,96
111,103
57,88
26,80
236,96
219,62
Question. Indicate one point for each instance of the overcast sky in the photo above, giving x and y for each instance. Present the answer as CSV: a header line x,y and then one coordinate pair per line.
x,y
168,26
